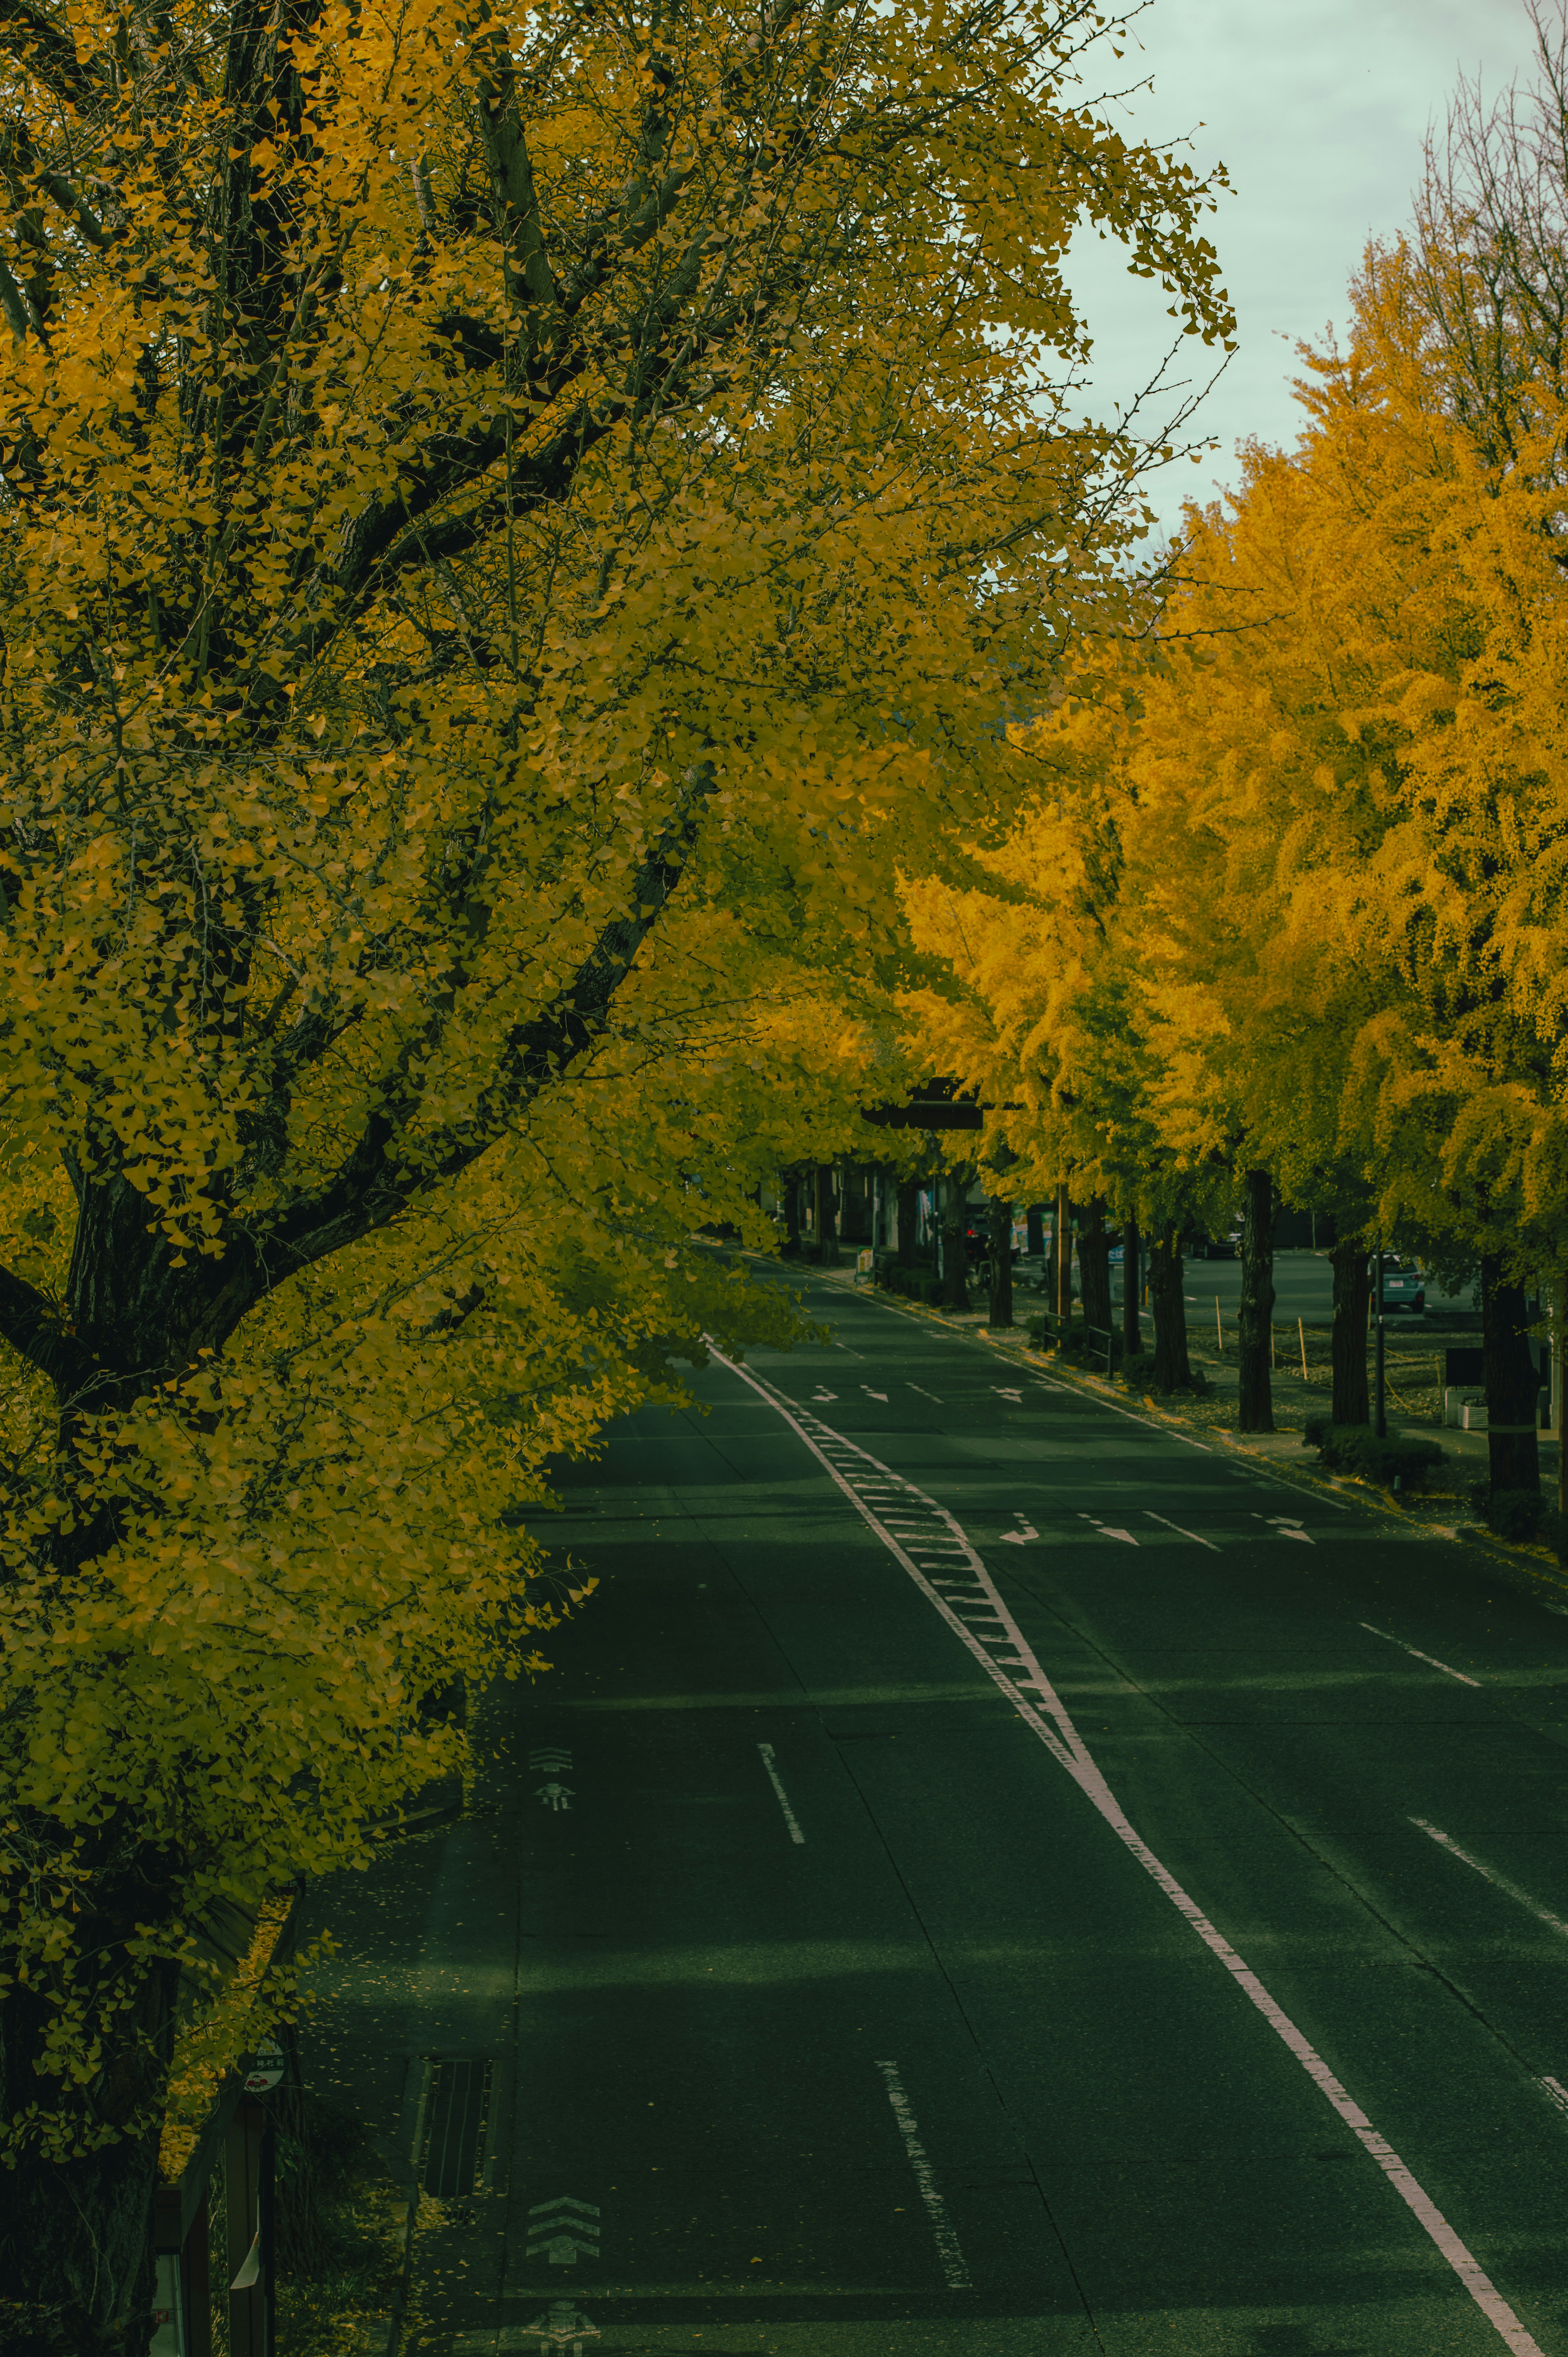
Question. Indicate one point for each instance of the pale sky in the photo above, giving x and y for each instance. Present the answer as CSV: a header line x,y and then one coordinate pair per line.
x,y
1319,109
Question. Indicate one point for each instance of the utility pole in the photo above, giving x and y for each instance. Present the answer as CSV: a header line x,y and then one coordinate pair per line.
x,y
1380,1409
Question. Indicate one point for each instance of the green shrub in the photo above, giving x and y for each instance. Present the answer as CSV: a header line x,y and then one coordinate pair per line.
x,y
912,1284
1400,1464
1520,1515
1138,1372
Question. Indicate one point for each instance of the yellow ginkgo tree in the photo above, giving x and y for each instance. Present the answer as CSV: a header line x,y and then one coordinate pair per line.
x,y
511,522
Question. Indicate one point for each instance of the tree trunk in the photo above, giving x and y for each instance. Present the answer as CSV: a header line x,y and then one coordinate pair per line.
x,y
827,1236
1256,1409
1063,1256
1352,1295
1001,1311
1513,1379
908,1221
1094,1272
791,1245
76,2264
1172,1372
1131,1289
955,1259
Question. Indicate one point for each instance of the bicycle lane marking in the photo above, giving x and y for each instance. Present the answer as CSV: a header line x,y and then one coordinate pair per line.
x,y
1048,1717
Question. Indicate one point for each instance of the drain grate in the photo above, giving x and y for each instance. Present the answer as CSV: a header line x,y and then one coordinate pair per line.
x,y
456,2120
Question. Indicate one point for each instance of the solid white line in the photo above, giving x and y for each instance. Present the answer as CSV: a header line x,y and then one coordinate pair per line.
x,y
1176,1526
1416,1654
1062,1739
1489,1874
946,2241
1558,2093
767,1751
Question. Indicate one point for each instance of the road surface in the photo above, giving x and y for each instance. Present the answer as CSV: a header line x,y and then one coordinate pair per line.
x,y
991,1875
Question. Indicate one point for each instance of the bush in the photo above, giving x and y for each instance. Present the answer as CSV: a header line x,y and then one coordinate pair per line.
x,y
1356,1448
1520,1515
1138,1372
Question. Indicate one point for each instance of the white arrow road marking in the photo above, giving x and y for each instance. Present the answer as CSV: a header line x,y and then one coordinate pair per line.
x,y
551,1757
1022,1534
1050,1722
821,1397
564,2230
1489,1874
1176,1526
1284,1526
1105,1529
1417,1655
773,1778
871,1394
1003,1393
946,2241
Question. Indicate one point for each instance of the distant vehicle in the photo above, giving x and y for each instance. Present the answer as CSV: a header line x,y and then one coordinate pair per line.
x,y
977,1239
1225,1247
1404,1287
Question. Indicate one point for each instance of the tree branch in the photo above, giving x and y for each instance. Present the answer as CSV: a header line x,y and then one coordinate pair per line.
x,y
30,1322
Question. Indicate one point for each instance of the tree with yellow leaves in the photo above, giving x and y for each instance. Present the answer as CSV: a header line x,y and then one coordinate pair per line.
x,y
502,513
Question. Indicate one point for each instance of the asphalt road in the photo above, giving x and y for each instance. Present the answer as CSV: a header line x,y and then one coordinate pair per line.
x,y
974,1883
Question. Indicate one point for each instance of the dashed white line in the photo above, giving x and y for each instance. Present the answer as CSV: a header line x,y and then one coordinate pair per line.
x,y
946,2241
1417,1655
1053,1726
1489,1874
774,1779
1176,1526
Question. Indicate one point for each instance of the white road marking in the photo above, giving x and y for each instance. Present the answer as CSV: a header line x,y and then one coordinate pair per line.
x,y
1002,1392
1417,1655
783,1797
871,1394
820,1398
1105,1531
1489,1874
946,2242
1558,2093
554,1796
1051,1723
1176,1526
924,1393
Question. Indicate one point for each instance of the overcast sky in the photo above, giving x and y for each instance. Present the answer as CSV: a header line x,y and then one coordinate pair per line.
x,y
1319,109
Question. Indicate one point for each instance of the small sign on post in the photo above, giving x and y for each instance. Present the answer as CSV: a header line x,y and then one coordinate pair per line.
x,y
864,1261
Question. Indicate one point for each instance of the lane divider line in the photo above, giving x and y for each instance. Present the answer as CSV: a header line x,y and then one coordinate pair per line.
x,y
946,2241
1417,1655
1176,1526
1041,1708
783,1798
1489,1874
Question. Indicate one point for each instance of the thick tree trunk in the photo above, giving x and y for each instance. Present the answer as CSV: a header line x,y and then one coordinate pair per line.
x,y
955,1258
827,1234
1063,1233
908,1221
1168,1301
76,2271
1352,1294
1513,1379
1255,1412
1001,1311
1131,1287
1094,1272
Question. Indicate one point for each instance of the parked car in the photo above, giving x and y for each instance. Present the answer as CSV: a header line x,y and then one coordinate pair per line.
x,y
1404,1287
1225,1247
